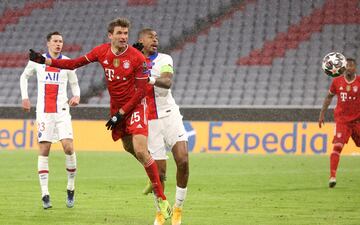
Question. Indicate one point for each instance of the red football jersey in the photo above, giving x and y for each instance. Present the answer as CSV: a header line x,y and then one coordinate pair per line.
x,y
348,99
120,71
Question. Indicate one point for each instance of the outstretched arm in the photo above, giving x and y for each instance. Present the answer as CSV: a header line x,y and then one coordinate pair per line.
x,y
324,108
69,64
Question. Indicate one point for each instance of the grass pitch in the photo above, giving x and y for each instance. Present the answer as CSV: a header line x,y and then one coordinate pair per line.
x,y
223,190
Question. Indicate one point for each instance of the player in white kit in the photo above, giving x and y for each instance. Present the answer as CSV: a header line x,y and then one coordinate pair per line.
x,y
166,127
52,114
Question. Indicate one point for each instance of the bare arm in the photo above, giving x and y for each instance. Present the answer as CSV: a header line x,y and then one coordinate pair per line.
x,y
164,81
324,108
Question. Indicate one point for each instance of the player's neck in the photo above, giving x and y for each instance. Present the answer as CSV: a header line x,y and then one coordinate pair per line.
x,y
118,51
349,77
54,55
147,54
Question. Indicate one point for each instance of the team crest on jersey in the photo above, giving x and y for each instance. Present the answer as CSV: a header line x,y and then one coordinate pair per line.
x,y
116,62
145,68
126,64
348,87
355,88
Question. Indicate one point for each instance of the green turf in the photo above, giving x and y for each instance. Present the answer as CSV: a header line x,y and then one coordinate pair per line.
x,y
223,190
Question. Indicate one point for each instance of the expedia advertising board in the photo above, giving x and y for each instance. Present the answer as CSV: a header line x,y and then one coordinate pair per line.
x,y
299,138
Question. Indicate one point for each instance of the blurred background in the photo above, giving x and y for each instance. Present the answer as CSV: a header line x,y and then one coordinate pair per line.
x,y
226,53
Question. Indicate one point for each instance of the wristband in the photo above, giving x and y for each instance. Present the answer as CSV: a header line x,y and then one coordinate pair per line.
x,y
152,80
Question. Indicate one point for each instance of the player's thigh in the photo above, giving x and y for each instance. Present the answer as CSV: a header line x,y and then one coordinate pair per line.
x,y
356,134
127,144
156,143
64,128
46,125
180,152
175,130
342,133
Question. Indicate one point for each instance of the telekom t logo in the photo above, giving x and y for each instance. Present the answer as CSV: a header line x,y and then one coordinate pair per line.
x,y
343,96
109,73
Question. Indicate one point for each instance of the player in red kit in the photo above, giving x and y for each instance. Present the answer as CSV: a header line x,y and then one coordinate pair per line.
x,y
346,114
126,75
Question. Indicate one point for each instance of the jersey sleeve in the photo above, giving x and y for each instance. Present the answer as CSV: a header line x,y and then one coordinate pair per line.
x,y
141,70
93,55
74,84
29,71
167,66
71,64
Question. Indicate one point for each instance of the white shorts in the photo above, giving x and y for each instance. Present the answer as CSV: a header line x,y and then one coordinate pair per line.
x,y
164,133
53,127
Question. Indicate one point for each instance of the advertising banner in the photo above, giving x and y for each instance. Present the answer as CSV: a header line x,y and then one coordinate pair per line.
x,y
296,138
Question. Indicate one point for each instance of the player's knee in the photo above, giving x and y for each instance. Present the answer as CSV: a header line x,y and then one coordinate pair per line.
x,y
338,148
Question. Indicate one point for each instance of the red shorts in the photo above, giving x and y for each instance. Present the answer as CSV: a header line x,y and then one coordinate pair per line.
x,y
135,122
343,131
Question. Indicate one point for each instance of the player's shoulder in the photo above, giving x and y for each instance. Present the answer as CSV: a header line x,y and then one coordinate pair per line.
x,y
164,55
64,57
165,58
102,47
338,79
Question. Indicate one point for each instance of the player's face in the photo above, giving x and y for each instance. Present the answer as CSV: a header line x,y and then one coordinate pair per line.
x,y
119,38
150,41
350,67
55,44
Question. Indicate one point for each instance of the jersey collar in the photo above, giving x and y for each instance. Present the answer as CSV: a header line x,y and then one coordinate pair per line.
x,y
49,56
153,56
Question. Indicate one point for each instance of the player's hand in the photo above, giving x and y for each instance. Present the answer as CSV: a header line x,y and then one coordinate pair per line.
x,y
36,57
74,101
321,121
26,105
113,121
139,46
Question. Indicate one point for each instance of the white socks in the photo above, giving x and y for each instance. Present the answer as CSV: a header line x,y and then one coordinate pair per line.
x,y
43,171
180,196
70,163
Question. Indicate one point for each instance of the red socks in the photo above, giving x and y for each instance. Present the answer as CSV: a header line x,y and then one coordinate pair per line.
x,y
334,160
153,174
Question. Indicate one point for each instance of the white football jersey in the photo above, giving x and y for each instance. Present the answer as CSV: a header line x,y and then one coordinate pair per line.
x,y
51,85
160,101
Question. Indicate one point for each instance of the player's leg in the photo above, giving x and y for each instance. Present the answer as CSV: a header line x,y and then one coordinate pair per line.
x,y
46,127
342,135
71,167
144,157
65,135
180,153
156,147
43,171
176,138
128,145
